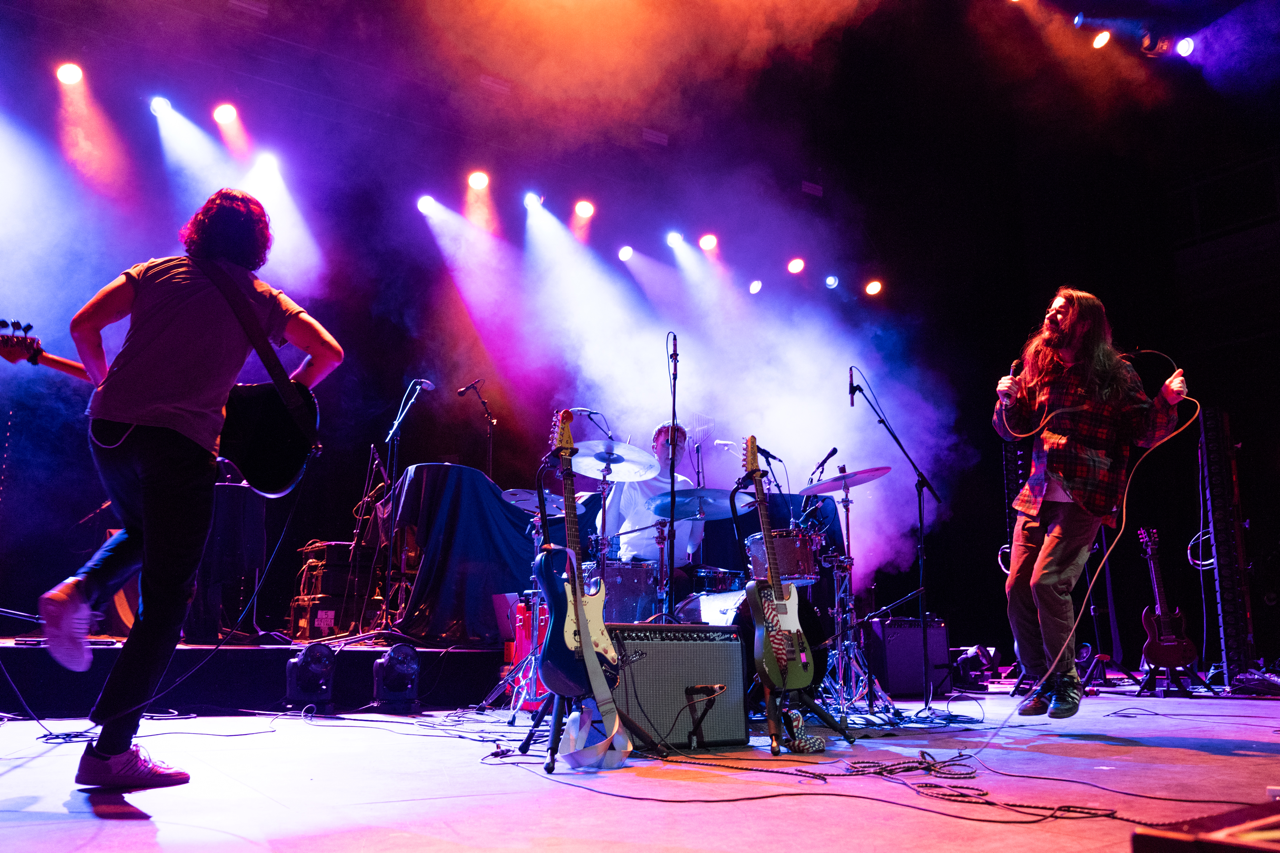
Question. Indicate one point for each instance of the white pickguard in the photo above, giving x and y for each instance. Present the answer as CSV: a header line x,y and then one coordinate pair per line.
x,y
788,613
599,637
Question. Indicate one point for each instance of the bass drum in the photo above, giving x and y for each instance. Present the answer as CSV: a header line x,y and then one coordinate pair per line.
x,y
731,608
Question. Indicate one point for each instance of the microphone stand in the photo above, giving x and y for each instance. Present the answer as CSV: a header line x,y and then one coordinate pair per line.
x,y
668,601
393,437
922,483
491,421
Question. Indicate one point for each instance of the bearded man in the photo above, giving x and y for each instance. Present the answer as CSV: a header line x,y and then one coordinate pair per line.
x,y
1091,407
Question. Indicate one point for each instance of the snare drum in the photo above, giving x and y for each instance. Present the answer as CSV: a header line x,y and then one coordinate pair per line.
x,y
795,550
711,579
630,588
712,608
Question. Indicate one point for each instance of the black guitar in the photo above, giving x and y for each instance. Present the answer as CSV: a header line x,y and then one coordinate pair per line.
x,y
1167,644
260,436
561,663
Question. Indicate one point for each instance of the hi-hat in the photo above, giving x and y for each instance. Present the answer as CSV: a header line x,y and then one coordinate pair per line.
x,y
709,504
626,463
845,481
527,500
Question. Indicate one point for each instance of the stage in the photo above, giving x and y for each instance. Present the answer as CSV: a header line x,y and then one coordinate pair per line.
x,y
451,780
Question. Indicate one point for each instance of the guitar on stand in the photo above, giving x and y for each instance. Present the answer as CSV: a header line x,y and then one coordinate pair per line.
x,y
1167,646
783,658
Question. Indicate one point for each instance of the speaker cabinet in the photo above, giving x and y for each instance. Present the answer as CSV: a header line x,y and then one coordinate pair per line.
x,y
895,657
682,684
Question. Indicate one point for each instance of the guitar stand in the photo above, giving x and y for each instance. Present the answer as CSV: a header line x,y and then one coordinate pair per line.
x,y
558,706
1172,677
776,737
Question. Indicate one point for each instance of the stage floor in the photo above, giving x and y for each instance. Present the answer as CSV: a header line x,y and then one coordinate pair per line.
x,y
377,783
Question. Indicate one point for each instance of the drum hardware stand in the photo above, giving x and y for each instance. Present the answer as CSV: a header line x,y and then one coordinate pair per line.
x,y
922,483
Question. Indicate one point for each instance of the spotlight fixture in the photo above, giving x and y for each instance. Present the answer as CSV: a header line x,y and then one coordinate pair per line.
x,y
708,242
160,106
584,209
1101,39
309,679
268,161
425,203
874,287
532,200
477,180
674,239
69,73
832,282
795,266
755,286
1185,46
625,253
224,114
395,680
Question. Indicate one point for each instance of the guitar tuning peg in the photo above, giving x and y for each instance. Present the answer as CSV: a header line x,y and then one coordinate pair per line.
x,y
27,328
16,325
4,324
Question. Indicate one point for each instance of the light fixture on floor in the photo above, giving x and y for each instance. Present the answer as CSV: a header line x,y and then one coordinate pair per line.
x,y
395,680
309,679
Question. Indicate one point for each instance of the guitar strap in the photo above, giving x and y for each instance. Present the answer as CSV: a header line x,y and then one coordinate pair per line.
x,y
597,756
239,304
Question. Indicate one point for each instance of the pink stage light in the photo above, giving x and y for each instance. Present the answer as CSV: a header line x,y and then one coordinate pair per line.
x,y
584,209
708,242
796,266
874,287
477,180
70,74
225,114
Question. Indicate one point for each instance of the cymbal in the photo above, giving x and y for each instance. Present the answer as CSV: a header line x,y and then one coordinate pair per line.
x,y
709,504
626,463
843,481
527,500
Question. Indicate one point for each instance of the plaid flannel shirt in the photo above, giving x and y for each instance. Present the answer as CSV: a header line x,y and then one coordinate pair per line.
x,y
1087,450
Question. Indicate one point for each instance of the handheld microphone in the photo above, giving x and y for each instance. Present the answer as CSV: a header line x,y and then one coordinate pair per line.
x,y
462,392
1016,367
823,463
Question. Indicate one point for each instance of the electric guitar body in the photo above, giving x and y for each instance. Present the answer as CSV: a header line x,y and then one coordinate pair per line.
x,y
1167,644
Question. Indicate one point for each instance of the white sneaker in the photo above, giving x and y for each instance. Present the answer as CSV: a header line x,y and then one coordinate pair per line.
x,y
65,614
132,769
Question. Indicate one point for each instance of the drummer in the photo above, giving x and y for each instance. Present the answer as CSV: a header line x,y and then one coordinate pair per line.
x,y
626,507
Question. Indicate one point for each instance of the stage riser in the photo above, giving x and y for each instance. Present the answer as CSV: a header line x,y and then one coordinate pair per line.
x,y
245,678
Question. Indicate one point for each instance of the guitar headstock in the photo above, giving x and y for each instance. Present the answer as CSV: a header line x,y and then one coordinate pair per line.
x,y
13,348
750,462
561,437
1150,540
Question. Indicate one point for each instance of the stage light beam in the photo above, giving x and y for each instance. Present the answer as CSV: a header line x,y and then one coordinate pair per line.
x,y
477,180
708,242
674,239
160,106
625,253
425,204
70,74
584,209
225,114
532,200
795,266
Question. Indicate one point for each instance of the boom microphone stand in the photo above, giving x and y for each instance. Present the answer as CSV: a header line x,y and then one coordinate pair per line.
x,y
669,603
922,483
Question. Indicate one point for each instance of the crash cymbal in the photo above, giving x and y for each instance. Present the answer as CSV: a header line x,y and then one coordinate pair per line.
x,y
709,504
626,463
841,481
527,500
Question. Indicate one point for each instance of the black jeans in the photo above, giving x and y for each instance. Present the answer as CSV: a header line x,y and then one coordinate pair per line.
x,y
161,486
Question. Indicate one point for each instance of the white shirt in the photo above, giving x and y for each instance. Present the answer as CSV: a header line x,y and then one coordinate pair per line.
x,y
626,512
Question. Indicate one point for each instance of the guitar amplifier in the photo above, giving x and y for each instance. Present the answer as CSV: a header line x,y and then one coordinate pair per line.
x,y
682,684
312,617
895,657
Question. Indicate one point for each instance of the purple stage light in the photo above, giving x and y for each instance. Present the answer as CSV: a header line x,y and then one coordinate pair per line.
x,y
625,253
674,239
160,106
1185,46
425,204
832,282
755,286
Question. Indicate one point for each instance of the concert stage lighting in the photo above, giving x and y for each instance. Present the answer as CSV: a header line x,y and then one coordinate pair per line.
x,y
584,209
832,282
708,242
160,106
795,266
625,253
674,239
70,74
874,287
225,114
755,286
395,680
477,180
532,200
1185,46
1101,39
425,203
309,679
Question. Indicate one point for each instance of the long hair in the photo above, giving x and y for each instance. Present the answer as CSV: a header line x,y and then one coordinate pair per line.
x,y
232,224
1086,323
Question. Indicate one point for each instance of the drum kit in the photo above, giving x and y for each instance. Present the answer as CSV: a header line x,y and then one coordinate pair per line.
x,y
635,590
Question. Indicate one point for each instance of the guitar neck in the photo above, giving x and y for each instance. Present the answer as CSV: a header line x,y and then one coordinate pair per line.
x,y
65,365
766,533
570,512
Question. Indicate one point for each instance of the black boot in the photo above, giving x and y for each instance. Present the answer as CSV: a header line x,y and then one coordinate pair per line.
x,y
1066,696
1038,702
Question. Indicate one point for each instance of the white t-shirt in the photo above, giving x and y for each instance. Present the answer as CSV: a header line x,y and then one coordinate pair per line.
x,y
626,512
